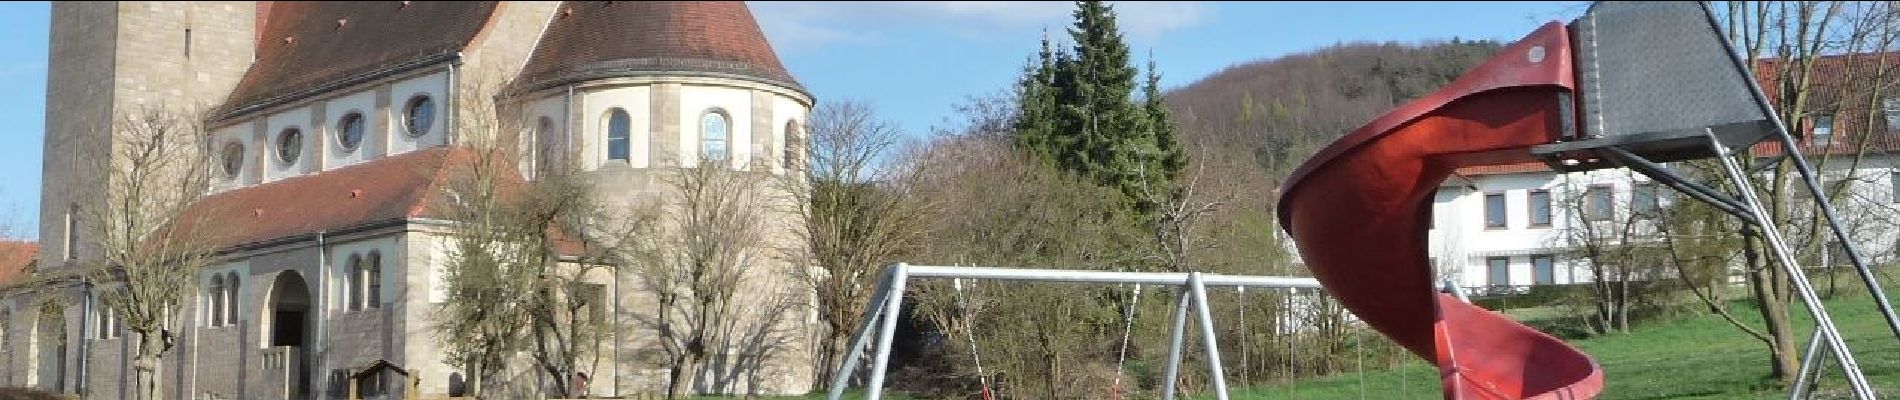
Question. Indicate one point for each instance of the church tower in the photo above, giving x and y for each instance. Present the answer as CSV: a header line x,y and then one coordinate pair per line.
x,y
108,59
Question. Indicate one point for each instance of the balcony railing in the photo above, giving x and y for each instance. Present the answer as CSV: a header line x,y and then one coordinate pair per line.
x,y
281,371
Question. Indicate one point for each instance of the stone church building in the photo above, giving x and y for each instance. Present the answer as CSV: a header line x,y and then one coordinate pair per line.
x,y
331,128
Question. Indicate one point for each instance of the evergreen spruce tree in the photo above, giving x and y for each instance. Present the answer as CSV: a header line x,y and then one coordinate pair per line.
x,y
1078,112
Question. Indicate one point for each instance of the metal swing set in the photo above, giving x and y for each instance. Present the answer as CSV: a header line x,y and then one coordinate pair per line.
x,y
887,300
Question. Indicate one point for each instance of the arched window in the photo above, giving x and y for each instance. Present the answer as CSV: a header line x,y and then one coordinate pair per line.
x,y
353,295
373,281
544,145
105,322
794,147
713,129
214,311
231,299
619,134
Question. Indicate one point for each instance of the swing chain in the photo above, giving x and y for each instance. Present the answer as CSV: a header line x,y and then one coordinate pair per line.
x,y
969,333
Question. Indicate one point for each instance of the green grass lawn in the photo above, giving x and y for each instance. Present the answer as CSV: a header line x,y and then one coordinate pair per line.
x,y
1697,357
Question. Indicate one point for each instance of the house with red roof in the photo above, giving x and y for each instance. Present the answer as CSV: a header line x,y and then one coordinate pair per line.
x,y
1500,230
331,130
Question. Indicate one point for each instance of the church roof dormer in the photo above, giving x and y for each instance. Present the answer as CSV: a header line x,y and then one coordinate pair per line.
x,y
592,40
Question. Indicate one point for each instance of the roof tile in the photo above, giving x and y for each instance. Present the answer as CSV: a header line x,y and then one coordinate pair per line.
x,y
379,34
619,37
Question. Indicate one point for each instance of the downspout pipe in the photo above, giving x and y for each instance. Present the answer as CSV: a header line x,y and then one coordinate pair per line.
x,y
320,349
85,350
450,103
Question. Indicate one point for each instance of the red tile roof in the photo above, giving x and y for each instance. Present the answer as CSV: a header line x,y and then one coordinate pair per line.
x,y
305,44
1836,87
392,189
389,189
619,38
15,257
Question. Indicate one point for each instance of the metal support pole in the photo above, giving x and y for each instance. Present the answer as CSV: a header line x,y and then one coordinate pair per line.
x,y
1173,373
1793,152
1810,366
1708,195
1824,323
887,327
1847,243
872,311
1214,369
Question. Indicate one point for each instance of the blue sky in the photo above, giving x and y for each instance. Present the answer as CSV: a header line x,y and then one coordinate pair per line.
x,y
912,60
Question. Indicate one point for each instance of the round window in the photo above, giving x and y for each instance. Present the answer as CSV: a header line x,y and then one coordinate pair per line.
x,y
233,159
289,145
418,115
349,131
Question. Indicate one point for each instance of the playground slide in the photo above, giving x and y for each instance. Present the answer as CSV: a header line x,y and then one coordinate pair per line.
x,y
1359,210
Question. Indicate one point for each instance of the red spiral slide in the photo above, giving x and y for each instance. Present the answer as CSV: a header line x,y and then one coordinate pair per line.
x,y
1359,210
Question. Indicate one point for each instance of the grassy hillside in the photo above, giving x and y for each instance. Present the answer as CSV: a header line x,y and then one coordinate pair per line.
x,y
1698,357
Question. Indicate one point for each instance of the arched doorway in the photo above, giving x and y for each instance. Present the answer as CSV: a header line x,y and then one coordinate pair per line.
x,y
288,319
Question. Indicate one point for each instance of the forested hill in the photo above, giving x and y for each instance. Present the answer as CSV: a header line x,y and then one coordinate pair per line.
x,y
1282,109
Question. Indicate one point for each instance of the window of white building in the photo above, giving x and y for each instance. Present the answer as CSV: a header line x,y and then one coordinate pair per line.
x,y
72,231
1597,205
1495,211
1498,271
231,297
619,132
373,280
713,129
1823,130
105,322
352,297
1895,177
1539,207
233,159
1645,200
214,300
544,145
1543,270
289,145
349,131
794,146
418,115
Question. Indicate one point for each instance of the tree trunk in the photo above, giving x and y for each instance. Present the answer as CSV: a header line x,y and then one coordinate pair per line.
x,y
1783,362
472,386
830,355
145,367
681,383
1601,284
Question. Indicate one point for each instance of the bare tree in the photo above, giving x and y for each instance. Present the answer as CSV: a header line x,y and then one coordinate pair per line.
x,y
1619,245
855,217
481,320
150,248
701,248
1820,61
520,270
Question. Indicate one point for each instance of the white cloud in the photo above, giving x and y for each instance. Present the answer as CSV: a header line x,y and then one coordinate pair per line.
x,y
805,25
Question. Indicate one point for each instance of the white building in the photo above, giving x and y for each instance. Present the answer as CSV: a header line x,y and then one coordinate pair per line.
x,y
1515,225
